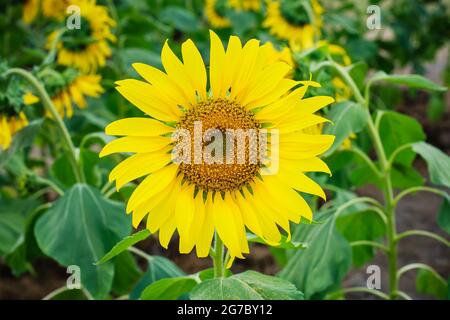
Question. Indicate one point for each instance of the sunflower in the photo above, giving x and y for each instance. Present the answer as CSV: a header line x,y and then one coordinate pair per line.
x,y
72,92
86,48
247,5
298,21
201,198
9,126
30,10
215,13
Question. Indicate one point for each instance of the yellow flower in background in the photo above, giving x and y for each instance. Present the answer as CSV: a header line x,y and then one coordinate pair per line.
x,y
343,92
75,92
86,48
215,13
297,21
9,126
55,8
243,91
247,5
30,10
274,55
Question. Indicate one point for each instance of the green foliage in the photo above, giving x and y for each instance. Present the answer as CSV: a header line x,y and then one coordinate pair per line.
x,y
95,224
124,244
169,288
158,268
361,225
438,163
347,117
430,283
324,263
249,285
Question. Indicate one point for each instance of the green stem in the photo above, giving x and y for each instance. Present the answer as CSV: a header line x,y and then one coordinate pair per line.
x,y
368,161
416,189
369,243
48,104
50,184
218,261
422,233
414,266
374,292
140,253
388,192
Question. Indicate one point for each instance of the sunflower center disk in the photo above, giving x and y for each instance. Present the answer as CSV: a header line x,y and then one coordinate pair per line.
x,y
224,144
295,12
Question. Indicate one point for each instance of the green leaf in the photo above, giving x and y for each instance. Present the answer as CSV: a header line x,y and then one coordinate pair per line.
x,y
13,217
249,285
437,161
443,218
180,18
405,177
429,283
347,117
62,170
70,294
23,139
169,289
284,242
358,72
158,268
80,228
126,273
410,80
11,230
361,225
324,263
208,274
396,130
124,244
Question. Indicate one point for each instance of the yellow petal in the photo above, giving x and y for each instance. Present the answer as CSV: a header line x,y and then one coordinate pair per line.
x,y
143,127
135,144
153,184
137,166
177,73
195,67
217,66
144,96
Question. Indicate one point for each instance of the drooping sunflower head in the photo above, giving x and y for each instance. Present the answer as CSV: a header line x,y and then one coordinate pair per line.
x,y
12,117
85,45
69,89
215,13
246,5
203,149
297,21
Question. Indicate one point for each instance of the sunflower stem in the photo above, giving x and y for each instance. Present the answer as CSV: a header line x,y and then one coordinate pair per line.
x,y
218,261
48,104
384,169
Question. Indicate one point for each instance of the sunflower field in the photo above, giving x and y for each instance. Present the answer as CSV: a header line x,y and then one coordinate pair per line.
x,y
224,149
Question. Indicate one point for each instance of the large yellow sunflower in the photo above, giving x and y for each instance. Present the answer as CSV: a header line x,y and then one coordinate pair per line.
x,y
9,126
215,13
298,21
86,48
247,5
198,198
72,93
